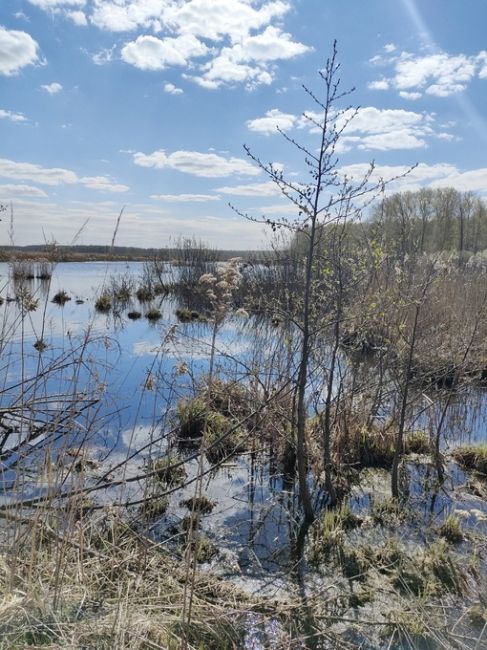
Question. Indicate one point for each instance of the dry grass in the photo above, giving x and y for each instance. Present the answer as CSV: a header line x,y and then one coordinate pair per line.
x,y
102,585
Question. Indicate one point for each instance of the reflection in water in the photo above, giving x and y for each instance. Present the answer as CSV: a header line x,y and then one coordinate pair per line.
x,y
111,384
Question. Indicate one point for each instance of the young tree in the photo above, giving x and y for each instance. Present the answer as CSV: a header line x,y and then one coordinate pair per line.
x,y
329,197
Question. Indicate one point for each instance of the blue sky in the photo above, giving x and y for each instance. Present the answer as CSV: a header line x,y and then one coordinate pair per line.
x,y
147,104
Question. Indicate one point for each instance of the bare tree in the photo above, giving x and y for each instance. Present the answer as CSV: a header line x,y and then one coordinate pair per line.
x,y
329,198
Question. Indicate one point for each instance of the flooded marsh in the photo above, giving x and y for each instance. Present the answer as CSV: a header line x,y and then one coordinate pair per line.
x,y
180,431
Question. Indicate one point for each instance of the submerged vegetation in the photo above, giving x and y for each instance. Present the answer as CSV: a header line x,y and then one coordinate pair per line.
x,y
280,462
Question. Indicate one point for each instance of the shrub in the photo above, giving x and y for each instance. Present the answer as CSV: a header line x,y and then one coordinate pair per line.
x,y
134,315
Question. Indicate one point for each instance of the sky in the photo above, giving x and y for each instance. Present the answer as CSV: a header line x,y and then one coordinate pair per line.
x,y
146,105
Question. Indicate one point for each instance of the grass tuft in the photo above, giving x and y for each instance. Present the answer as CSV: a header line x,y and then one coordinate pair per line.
x,y
61,298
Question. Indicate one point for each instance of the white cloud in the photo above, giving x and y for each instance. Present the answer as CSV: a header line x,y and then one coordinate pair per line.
x,y
390,47
53,88
449,74
8,191
216,19
210,19
253,189
369,128
127,15
78,18
249,60
55,176
185,198
36,173
386,129
272,119
172,89
151,53
142,224
54,4
482,60
103,56
439,74
410,95
279,209
379,84
13,117
17,50
238,38
102,184
438,175
207,165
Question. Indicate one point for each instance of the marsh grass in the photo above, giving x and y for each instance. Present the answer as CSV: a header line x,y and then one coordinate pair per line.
x,y
153,314
451,530
472,457
61,298
102,585
103,303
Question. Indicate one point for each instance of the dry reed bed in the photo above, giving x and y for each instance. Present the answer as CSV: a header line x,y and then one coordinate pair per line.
x,y
97,583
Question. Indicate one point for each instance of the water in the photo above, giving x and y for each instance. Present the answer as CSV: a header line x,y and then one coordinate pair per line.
x,y
109,384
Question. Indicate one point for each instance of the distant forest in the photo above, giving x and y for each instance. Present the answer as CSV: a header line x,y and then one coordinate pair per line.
x,y
406,223
433,220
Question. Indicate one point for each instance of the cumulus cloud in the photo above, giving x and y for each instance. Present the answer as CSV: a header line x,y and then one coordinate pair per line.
x,y
52,88
369,128
379,84
440,74
151,53
236,37
410,95
249,61
211,19
78,18
8,191
55,176
185,198
207,165
272,120
17,50
435,176
54,4
102,184
172,89
252,189
385,129
142,225
11,116
103,56
36,173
